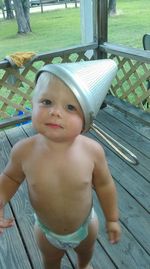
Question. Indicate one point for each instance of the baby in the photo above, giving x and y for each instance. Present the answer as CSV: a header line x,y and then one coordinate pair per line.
x,y
61,166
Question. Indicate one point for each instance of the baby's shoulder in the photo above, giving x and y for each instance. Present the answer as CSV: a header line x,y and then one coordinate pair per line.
x,y
95,151
92,145
23,145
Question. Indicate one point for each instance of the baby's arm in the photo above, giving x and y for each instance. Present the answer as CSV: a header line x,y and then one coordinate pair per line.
x,y
10,181
106,192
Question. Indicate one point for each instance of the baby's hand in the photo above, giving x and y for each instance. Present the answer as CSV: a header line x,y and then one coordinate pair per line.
x,y
114,231
4,223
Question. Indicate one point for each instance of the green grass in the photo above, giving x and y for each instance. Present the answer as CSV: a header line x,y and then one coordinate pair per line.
x,y
131,23
57,29
50,31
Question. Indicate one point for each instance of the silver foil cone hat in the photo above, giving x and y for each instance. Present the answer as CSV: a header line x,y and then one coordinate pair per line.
x,y
89,81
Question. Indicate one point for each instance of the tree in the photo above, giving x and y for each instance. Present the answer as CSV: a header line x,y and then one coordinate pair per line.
x,y
9,11
22,10
112,7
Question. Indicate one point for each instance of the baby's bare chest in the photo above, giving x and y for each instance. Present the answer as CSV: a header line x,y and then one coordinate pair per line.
x,y
59,172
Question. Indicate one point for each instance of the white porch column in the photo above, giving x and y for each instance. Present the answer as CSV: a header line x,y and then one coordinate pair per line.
x,y
86,13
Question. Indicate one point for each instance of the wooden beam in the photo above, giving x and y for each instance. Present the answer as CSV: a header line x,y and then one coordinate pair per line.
x,y
102,25
127,52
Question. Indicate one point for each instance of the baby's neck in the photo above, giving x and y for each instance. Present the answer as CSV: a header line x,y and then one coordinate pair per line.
x,y
58,146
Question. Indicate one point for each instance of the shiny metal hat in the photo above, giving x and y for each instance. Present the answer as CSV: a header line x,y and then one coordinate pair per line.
x,y
89,81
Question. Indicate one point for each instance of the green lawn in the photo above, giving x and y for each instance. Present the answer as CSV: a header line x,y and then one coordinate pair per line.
x,y
61,28
131,23
50,31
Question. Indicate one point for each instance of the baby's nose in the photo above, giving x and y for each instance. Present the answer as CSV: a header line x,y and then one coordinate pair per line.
x,y
55,111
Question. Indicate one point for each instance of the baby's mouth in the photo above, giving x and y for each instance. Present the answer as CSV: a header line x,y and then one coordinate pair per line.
x,y
54,125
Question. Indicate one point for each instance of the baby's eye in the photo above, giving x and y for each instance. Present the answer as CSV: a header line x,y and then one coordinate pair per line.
x,y
70,107
46,102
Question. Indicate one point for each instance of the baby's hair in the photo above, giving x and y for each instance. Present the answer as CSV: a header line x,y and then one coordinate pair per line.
x,y
44,79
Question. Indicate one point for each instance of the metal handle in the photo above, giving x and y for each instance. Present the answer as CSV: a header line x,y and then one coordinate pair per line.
x,y
119,148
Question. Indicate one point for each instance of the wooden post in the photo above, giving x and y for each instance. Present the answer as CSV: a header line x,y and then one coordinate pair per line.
x,y
102,25
94,23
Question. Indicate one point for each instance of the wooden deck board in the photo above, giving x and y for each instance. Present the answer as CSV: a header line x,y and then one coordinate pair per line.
x,y
130,121
129,178
12,251
130,136
18,249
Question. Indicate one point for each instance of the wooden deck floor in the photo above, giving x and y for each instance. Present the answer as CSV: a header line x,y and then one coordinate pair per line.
x,y
129,126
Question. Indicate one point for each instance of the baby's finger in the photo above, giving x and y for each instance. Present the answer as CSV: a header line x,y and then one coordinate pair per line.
x,y
111,237
117,236
114,237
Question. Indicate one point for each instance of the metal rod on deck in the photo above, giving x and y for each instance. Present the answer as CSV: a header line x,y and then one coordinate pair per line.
x,y
119,148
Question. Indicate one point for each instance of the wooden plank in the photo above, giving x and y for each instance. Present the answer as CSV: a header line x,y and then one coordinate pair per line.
x,y
22,211
81,48
123,176
143,160
15,134
142,168
133,123
128,253
12,251
126,52
137,143
100,258
133,138
28,129
128,109
134,217
129,178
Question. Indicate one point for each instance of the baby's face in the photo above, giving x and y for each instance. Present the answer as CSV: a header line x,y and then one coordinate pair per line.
x,y
56,112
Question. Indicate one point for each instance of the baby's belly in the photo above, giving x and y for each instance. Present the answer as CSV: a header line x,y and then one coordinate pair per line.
x,y
61,203
63,216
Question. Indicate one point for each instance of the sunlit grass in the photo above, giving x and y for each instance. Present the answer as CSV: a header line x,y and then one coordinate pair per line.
x,y
130,24
50,31
61,28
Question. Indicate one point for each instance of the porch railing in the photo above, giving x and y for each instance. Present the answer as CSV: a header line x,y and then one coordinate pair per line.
x,y
130,84
16,85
